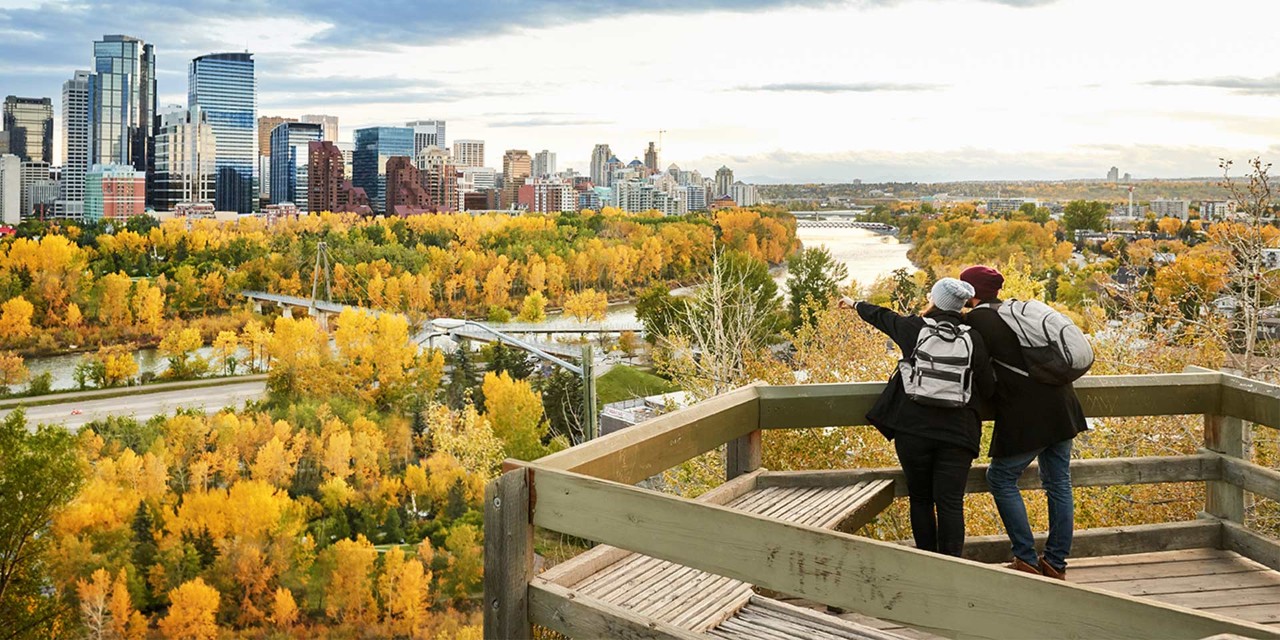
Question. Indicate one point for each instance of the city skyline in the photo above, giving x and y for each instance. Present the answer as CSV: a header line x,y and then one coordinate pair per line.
x,y
873,90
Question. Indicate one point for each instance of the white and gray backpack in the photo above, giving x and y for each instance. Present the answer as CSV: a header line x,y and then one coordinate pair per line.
x,y
939,372
1056,350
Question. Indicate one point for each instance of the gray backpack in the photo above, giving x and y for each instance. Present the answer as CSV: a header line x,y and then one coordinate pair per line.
x,y
1056,350
939,372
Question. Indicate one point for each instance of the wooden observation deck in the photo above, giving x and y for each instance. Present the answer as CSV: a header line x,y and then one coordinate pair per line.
x,y
718,566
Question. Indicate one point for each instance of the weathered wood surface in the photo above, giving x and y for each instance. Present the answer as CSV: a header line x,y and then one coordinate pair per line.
x,y
1109,541
697,600
1254,401
774,620
1224,435
578,616
579,567
653,446
1251,477
508,556
742,455
1101,472
1155,557
1251,544
846,404
875,578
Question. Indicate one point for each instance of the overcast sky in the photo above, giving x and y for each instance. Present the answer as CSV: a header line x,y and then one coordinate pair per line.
x,y
800,90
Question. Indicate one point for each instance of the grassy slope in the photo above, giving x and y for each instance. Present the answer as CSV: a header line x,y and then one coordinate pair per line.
x,y
624,382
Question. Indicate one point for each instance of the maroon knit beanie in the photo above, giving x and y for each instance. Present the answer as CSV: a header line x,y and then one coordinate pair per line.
x,y
985,280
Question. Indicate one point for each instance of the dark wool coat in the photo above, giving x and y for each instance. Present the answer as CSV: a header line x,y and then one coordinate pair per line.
x,y
894,412
1029,415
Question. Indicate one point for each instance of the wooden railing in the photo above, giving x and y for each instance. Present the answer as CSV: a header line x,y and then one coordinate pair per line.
x,y
587,491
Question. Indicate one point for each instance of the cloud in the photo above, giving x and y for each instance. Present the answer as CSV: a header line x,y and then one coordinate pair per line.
x,y
839,87
1268,86
548,122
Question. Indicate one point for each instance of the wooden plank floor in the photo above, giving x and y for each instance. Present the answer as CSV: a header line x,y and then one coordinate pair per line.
x,y
1213,580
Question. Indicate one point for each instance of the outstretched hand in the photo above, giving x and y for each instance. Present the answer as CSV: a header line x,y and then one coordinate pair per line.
x,y
847,303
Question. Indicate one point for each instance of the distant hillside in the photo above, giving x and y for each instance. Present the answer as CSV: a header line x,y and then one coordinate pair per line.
x,y
1144,190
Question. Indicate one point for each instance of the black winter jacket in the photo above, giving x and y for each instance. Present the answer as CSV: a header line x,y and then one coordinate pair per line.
x,y
894,412
1029,415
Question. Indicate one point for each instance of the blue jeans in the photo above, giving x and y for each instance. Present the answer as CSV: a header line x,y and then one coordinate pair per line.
x,y
1055,476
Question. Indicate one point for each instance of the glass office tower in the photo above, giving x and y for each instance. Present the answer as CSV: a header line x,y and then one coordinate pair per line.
x,y
374,146
290,161
122,103
29,122
223,86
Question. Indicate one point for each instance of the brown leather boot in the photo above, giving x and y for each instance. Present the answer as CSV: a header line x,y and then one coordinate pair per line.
x,y
1048,571
1019,565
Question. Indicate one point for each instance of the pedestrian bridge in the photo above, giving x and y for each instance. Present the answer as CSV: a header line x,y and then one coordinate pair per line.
x,y
535,334
846,224
771,555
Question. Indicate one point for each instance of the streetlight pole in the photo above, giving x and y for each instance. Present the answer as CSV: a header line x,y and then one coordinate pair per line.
x,y
591,419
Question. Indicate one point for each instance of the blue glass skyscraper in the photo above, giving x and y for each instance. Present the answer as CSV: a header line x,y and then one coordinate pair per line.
x,y
290,159
374,146
223,86
122,103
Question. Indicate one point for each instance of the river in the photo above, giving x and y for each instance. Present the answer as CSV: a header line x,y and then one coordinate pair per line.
x,y
866,254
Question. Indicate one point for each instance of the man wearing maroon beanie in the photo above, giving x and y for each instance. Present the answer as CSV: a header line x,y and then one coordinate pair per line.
x,y
1034,421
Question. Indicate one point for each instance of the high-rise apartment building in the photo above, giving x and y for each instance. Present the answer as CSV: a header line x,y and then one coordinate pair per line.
x,y
75,146
29,122
472,179
651,159
427,133
544,164
440,178
10,189
745,195
33,173
724,180
1113,174
223,86
406,195
114,191
328,125
290,164
517,166
328,189
267,124
185,160
374,147
468,153
600,156
122,103
1163,208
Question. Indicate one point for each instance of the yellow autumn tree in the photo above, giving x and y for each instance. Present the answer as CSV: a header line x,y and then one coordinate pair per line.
x,y
15,319
349,598
534,308
113,300
13,370
193,611
587,305
148,307
284,609
300,358
515,411
225,347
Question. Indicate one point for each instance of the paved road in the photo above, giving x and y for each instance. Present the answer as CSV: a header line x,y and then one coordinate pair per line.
x,y
208,399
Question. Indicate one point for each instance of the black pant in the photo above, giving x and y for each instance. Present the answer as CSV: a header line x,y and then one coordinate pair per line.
x,y
936,476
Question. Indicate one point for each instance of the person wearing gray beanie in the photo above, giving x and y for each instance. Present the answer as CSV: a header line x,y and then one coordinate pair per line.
x,y
936,443
950,294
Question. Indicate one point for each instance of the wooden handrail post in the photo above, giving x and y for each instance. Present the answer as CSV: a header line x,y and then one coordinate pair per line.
x,y
1225,435
508,556
742,455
